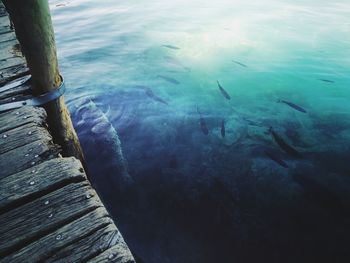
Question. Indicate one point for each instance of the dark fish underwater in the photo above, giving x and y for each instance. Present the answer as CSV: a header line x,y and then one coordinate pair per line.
x,y
223,91
169,79
284,146
292,105
239,63
171,47
153,96
223,130
276,159
327,80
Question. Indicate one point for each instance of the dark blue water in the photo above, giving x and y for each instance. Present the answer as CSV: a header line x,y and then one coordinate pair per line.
x,y
257,171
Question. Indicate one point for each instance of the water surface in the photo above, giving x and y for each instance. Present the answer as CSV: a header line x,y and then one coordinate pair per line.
x,y
152,67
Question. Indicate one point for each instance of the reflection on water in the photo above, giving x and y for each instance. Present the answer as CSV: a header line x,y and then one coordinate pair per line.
x,y
233,118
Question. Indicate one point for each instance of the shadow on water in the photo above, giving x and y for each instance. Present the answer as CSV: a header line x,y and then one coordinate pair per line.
x,y
184,196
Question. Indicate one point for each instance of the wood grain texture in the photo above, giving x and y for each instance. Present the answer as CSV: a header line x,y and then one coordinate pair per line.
x,y
21,136
48,176
28,156
9,36
4,19
16,93
11,60
48,210
11,49
33,25
4,29
18,117
45,247
34,220
89,247
6,48
13,72
118,253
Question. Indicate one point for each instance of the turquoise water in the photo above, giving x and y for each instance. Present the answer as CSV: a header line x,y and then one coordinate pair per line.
x,y
151,68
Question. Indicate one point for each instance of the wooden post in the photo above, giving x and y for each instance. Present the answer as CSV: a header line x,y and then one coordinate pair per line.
x,y
33,27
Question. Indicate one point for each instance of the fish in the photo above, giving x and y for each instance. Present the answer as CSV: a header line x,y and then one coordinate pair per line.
x,y
171,47
223,91
276,159
169,79
153,96
239,63
175,65
284,146
202,123
223,130
327,80
292,105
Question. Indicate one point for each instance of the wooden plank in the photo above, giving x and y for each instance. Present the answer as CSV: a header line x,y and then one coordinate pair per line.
x,y
2,9
27,156
11,60
9,36
4,20
29,222
48,210
89,247
19,97
17,87
119,253
19,117
3,14
13,72
45,247
19,136
5,29
17,189
9,49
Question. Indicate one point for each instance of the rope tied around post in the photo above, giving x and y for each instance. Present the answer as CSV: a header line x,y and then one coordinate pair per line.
x,y
34,31
38,100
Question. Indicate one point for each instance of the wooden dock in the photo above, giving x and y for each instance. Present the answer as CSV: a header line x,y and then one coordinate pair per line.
x,y
48,210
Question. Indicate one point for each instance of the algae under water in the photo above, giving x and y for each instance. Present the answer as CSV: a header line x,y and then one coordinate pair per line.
x,y
234,121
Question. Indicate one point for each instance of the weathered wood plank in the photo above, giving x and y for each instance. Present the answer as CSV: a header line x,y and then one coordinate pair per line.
x,y
10,61
19,136
119,253
9,36
48,210
3,14
27,156
9,49
29,222
18,117
20,82
45,247
17,87
5,29
13,72
89,247
19,97
4,20
19,93
2,9
47,177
